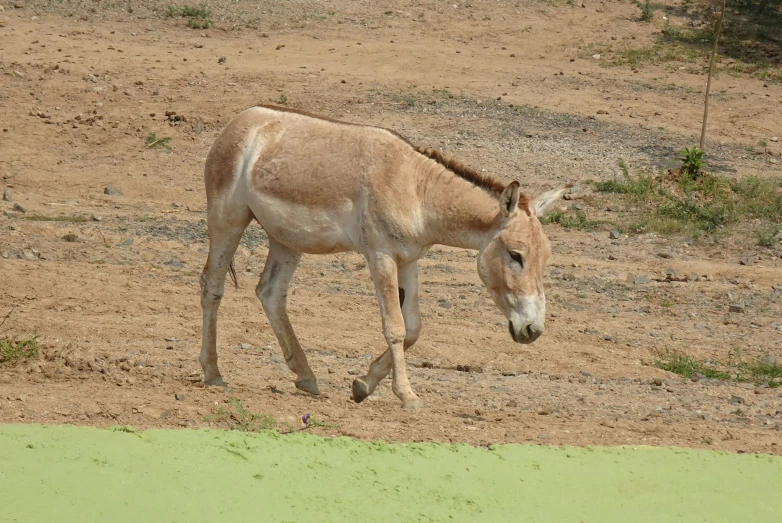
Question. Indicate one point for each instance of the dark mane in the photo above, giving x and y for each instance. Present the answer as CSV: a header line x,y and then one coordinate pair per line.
x,y
486,183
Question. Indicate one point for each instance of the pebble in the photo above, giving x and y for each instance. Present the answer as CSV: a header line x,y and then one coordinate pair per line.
x,y
354,372
512,403
640,280
70,238
246,346
445,304
747,260
614,235
19,208
179,397
112,190
769,359
736,400
19,5
586,374
8,195
736,307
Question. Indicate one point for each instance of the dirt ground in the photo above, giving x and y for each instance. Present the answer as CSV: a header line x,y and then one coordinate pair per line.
x,y
110,282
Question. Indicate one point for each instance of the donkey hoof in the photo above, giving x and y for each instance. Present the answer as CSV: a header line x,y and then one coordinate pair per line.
x,y
413,403
360,390
217,381
308,385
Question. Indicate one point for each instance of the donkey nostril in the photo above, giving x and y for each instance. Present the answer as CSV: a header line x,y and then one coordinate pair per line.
x,y
528,331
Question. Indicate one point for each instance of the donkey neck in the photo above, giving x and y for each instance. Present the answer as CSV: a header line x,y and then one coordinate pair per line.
x,y
457,212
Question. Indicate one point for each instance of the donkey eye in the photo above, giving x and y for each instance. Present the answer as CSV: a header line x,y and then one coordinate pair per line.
x,y
515,256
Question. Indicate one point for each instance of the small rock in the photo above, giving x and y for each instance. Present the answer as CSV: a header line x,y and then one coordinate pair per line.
x,y
19,5
769,359
179,397
174,262
657,382
127,242
70,238
19,208
602,111
641,280
112,190
608,337
664,254
614,234
95,218
747,260
508,373
445,304
775,138
8,195
545,411
512,404
611,257
354,372
737,307
246,346
736,400
221,60
586,374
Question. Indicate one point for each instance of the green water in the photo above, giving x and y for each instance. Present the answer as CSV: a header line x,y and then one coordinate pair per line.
x,y
80,474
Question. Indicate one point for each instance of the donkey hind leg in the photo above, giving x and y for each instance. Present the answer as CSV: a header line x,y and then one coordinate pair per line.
x,y
364,386
272,290
225,231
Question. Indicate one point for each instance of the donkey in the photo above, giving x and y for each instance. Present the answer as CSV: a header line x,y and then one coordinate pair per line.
x,y
320,186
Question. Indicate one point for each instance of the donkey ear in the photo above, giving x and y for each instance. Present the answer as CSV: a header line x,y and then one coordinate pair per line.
x,y
543,203
509,201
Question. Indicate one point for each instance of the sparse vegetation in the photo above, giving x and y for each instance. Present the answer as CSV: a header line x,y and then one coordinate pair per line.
x,y
768,237
197,17
283,100
237,417
647,11
678,202
758,373
577,220
686,366
153,140
12,351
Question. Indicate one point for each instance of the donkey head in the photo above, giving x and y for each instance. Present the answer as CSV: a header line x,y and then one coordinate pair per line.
x,y
511,264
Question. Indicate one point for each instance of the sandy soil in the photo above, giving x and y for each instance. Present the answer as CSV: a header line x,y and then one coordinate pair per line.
x,y
110,282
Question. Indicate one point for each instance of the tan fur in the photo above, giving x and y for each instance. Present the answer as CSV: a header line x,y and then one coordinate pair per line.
x,y
318,185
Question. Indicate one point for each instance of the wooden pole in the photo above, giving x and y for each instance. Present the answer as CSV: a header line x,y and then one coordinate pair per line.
x,y
711,69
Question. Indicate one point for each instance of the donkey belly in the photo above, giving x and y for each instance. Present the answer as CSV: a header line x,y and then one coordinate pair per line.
x,y
307,229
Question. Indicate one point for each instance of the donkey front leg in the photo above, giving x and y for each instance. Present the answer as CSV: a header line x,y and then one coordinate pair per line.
x,y
364,386
272,290
384,274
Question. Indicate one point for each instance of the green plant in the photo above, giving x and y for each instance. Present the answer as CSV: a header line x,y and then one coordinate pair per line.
x,y
692,161
768,237
12,351
198,17
759,372
577,220
237,417
647,12
283,99
684,365
153,140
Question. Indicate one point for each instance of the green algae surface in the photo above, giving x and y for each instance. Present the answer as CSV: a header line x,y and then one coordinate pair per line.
x,y
81,474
